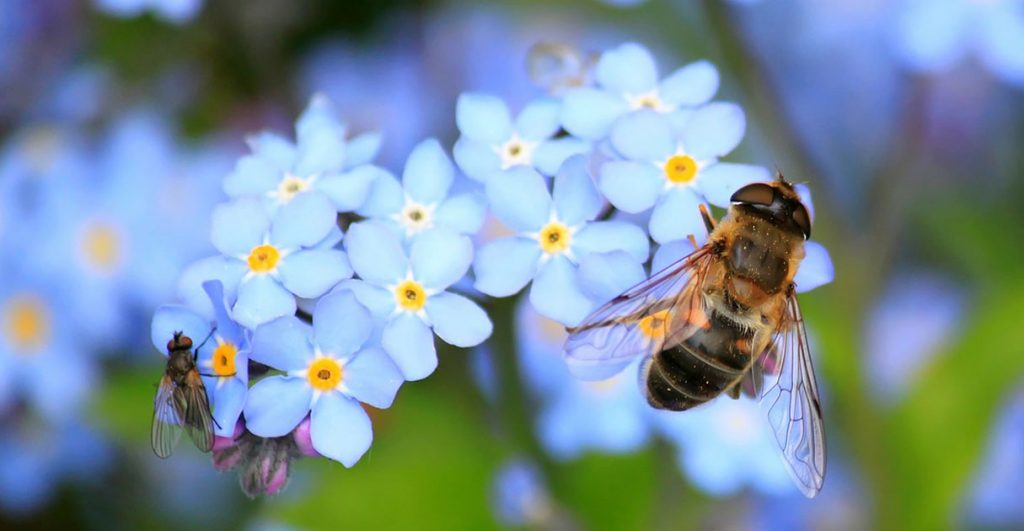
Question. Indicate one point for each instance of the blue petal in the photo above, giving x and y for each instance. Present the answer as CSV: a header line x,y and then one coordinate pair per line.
x,y
520,198
440,257
627,69
261,299
815,270
190,286
552,153
386,196
341,325
1001,45
227,328
340,428
410,344
607,236
273,147
457,320
372,378
57,394
303,221
321,140
349,190
330,241
631,186
428,173
313,272
714,130
463,213
380,301
669,253
319,112
283,343
239,226
556,293
589,113
483,118
171,318
575,197
934,35
539,120
719,181
252,175
505,266
677,216
476,159
603,276
276,405
376,253
362,149
228,399
644,135
693,84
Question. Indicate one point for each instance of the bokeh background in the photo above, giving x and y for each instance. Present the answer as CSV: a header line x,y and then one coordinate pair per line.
x,y
119,119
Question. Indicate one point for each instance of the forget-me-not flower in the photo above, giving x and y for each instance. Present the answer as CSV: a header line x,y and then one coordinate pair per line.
x,y
994,497
407,292
491,141
520,496
570,258
328,371
176,11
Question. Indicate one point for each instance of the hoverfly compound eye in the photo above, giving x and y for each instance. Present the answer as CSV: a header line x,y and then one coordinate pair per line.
x,y
170,345
802,220
185,342
754,194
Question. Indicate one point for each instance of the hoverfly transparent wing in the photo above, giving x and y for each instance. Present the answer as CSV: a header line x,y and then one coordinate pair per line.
x,y
783,379
620,330
198,420
168,412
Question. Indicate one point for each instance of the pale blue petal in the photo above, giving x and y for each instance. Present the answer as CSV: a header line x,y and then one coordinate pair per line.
x,y
341,325
669,253
227,328
319,112
631,186
463,213
410,344
539,120
376,253
428,172
717,182
457,320
380,301
804,192
552,153
261,299
283,343
933,35
171,318
340,429
440,257
386,196
520,198
607,236
556,293
361,149
815,270
575,197
321,140
311,273
190,285
483,118
714,130
1001,45
303,221
239,226
644,135
252,175
589,113
693,84
330,241
349,190
677,216
276,405
505,266
476,159
372,378
273,147
228,400
603,276
627,69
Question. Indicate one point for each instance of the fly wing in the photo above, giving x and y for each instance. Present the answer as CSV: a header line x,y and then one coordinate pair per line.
x,y
168,412
634,323
784,381
198,421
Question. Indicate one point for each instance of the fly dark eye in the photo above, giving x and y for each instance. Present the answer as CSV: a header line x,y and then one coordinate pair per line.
x,y
170,345
185,342
802,220
754,194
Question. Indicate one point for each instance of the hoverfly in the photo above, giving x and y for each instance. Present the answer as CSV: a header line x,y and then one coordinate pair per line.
x,y
181,402
724,319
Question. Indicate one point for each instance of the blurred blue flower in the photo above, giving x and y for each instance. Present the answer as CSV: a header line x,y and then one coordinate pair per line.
x,y
328,371
675,170
934,35
574,261
491,141
519,495
268,261
841,505
407,293
994,498
176,11
422,201
320,162
627,80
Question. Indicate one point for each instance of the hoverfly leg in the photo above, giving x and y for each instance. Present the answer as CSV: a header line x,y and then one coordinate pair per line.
x,y
195,352
709,222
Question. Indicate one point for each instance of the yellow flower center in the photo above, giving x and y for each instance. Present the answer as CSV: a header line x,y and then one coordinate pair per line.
x,y
410,295
324,374
101,246
681,169
416,218
290,187
649,100
224,359
655,326
554,238
26,322
264,258
516,152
